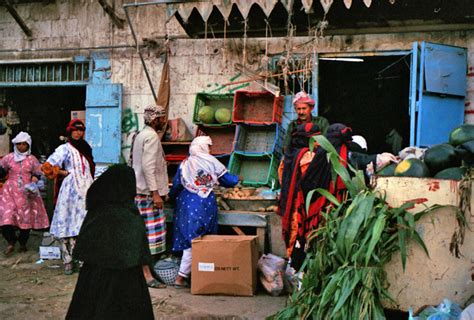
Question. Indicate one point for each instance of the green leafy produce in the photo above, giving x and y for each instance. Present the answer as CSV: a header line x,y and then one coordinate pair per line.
x,y
344,275
223,115
440,157
412,168
461,134
206,114
451,173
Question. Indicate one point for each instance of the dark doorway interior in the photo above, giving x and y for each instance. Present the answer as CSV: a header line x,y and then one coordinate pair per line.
x,y
369,96
44,113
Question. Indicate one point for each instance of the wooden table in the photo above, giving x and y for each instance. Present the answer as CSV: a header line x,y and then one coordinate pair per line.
x,y
237,219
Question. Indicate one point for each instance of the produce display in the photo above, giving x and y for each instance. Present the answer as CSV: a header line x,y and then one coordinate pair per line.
x,y
210,115
223,115
246,198
443,161
206,114
412,168
388,170
440,157
461,134
455,173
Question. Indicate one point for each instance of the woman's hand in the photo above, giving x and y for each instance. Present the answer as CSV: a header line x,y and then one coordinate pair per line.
x,y
63,173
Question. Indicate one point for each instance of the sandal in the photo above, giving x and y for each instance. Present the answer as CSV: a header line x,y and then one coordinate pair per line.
x,y
155,284
68,269
9,250
183,285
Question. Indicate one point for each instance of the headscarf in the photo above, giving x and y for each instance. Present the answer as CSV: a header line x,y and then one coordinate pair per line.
x,y
113,234
152,112
200,171
81,145
116,186
75,124
303,97
339,134
21,137
360,140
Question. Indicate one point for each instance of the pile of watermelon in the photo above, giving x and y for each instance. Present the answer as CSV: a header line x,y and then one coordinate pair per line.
x,y
209,115
443,161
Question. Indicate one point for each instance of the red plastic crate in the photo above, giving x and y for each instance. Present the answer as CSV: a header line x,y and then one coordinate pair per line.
x,y
257,107
222,138
175,151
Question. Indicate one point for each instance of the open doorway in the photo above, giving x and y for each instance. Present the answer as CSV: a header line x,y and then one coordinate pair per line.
x,y
44,113
370,95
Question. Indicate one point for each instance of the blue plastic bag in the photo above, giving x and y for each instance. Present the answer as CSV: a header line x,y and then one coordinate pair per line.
x,y
446,310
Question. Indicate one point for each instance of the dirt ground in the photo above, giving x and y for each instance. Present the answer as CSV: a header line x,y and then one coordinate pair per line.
x,y
31,290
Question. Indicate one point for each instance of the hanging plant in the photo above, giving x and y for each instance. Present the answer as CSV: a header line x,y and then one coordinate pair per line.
x,y
344,275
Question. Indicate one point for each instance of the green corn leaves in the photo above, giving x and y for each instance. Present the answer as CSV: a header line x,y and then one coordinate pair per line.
x,y
344,268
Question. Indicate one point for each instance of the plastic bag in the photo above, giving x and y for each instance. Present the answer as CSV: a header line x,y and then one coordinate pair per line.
x,y
272,273
446,310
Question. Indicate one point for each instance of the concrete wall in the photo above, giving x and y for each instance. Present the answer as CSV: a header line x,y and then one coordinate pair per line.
x,y
196,65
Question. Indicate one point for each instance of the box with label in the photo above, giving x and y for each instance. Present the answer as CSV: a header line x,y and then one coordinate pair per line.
x,y
78,114
224,265
50,252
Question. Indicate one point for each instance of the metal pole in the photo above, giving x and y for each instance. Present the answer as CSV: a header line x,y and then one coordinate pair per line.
x,y
139,4
140,54
17,18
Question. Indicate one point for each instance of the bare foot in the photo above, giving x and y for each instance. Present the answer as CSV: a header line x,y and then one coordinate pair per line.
x,y
9,250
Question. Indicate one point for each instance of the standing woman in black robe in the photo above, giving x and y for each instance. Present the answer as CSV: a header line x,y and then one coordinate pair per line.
x,y
112,244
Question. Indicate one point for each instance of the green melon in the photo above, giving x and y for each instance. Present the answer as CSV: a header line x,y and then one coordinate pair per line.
x,y
387,170
206,114
461,134
412,168
451,173
223,115
440,157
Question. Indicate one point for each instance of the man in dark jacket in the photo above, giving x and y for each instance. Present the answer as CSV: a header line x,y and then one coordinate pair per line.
x,y
304,105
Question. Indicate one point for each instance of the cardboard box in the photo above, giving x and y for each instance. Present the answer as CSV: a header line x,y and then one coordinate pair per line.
x,y
79,114
224,265
50,252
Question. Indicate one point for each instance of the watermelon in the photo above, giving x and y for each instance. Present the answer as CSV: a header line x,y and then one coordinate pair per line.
x,y
387,170
440,157
223,115
206,114
412,168
451,173
461,134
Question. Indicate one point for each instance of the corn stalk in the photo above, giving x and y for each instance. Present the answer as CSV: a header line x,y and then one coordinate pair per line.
x,y
344,275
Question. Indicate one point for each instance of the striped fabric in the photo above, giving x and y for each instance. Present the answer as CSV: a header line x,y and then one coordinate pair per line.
x,y
155,222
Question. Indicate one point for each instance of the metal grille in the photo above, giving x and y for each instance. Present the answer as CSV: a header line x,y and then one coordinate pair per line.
x,y
45,72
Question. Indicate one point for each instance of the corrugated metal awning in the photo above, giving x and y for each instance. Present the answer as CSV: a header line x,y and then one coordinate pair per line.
x,y
225,6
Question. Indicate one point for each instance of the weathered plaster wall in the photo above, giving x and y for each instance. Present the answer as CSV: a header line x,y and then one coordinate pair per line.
x,y
196,65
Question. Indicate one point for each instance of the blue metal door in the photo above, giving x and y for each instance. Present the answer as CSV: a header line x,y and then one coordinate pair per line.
x,y
103,118
437,91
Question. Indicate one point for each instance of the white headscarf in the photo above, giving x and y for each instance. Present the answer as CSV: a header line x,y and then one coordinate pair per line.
x,y
200,171
360,140
21,137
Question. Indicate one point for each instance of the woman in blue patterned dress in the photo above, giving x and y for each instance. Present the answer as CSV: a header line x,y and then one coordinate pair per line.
x,y
77,167
196,206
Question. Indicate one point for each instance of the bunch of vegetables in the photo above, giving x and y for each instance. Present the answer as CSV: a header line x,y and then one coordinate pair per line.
x,y
344,275
443,161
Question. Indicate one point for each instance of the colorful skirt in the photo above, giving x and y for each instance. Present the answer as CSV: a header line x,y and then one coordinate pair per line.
x,y
155,222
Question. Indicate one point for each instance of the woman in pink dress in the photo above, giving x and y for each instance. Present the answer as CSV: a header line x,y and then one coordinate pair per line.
x,y
21,206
